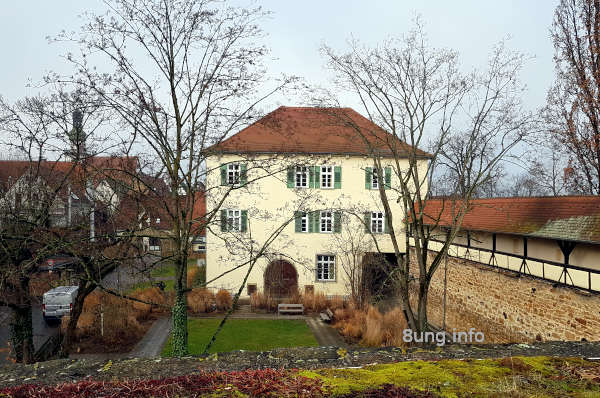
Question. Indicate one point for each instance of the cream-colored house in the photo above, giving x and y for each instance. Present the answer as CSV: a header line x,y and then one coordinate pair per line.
x,y
305,177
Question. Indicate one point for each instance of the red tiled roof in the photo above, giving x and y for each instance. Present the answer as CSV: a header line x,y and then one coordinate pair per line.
x,y
314,131
575,218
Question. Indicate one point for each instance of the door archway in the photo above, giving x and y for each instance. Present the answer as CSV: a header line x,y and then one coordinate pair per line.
x,y
281,279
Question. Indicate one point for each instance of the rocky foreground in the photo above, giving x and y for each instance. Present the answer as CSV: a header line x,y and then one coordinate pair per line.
x,y
68,370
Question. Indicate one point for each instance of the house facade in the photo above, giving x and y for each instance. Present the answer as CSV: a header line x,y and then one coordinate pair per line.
x,y
300,188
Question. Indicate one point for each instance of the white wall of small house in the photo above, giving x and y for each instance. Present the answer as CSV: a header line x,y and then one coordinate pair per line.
x,y
270,203
584,255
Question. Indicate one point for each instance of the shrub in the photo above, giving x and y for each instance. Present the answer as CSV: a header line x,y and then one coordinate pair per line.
x,y
223,300
373,331
200,300
192,275
370,326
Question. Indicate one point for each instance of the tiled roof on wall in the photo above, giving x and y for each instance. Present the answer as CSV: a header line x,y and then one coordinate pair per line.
x,y
575,218
313,130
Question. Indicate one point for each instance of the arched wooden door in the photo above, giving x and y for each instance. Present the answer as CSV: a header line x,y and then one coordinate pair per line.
x,y
281,279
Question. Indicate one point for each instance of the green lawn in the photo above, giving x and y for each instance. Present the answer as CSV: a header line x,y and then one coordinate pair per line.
x,y
168,269
247,334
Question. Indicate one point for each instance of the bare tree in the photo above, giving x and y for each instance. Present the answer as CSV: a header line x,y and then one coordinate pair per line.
x,y
33,191
416,92
179,76
573,109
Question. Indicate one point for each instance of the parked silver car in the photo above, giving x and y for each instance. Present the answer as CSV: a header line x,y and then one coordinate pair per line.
x,y
58,302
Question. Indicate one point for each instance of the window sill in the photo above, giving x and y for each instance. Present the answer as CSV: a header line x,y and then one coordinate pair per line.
x,y
326,280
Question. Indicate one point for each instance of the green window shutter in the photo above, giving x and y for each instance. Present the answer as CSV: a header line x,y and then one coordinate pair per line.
x,y
337,222
368,177
337,177
244,220
388,177
223,220
298,221
317,181
310,221
290,177
243,174
311,177
317,221
386,226
367,220
223,174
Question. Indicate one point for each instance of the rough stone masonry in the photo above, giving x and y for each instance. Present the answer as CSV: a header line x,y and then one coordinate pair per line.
x,y
509,308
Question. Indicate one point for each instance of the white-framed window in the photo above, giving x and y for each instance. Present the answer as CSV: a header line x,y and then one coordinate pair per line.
x,y
234,220
325,267
374,179
304,222
301,177
326,221
233,173
200,244
377,222
326,176
154,244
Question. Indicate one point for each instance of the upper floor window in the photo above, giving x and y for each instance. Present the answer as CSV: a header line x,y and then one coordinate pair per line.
x,y
326,221
377,222
325,267
301,177
326,176
233,174
234,220
373,179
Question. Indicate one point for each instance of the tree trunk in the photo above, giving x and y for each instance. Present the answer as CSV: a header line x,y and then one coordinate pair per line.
x,y
83,291
21,329
179,312
422,308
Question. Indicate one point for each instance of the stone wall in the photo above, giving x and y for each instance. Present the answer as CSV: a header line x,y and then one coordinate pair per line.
x,y
508,308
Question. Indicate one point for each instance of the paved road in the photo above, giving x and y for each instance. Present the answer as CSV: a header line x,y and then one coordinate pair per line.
x,y
152,343
41,331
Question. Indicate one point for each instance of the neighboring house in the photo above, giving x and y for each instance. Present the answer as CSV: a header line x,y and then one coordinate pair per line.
x,y
308,167
73,191
553,238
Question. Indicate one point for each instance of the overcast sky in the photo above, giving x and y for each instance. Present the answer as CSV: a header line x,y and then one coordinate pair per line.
x,y
297,28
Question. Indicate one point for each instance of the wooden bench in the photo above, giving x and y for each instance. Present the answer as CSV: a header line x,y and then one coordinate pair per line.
x,y
291,308
326,316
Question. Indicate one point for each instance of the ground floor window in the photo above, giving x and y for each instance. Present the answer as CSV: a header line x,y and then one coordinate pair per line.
x,y
325,267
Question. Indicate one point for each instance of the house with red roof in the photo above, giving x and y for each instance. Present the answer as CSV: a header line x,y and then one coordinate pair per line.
x,y
300,187
552,238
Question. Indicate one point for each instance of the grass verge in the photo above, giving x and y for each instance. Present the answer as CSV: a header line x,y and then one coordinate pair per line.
x,y
246,334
